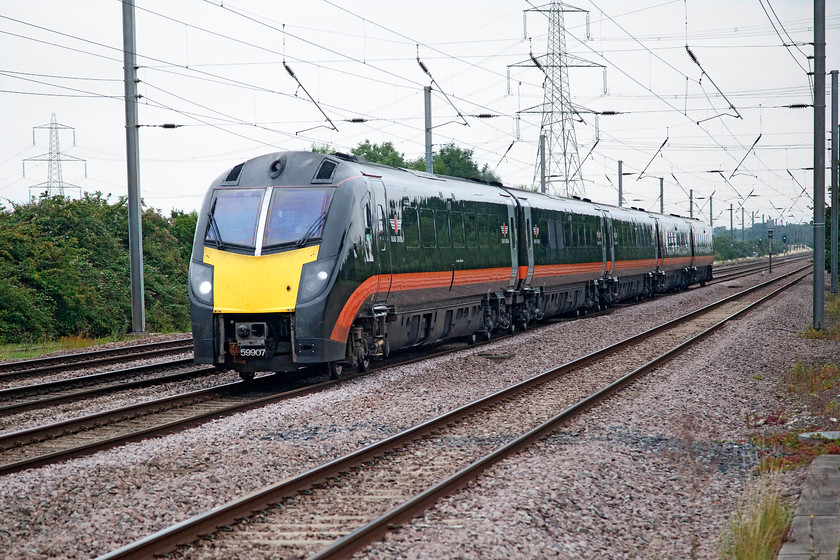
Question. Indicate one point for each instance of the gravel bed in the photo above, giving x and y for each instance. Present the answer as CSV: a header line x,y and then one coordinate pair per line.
x,y
655,473
91,505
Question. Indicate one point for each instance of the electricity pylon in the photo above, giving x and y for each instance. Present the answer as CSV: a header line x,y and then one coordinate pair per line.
x,y
55,184
557,129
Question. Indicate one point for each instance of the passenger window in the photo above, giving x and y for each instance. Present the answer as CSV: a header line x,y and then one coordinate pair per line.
x,y
482,230
495,230
427,227
471,230
558,232
442,225
456,222
410,228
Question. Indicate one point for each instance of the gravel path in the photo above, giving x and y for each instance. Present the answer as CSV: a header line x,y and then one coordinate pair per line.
x,y
625,481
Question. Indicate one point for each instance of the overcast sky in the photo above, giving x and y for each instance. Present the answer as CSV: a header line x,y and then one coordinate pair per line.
x,y
216,70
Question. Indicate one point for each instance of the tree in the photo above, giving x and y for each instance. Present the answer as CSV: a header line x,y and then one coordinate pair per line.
x,y
322,149
64,265
457,162
384,153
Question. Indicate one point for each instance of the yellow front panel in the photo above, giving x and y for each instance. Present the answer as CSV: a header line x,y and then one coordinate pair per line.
x,y
249,284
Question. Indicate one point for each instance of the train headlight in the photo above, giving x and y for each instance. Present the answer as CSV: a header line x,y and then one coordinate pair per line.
x,y
201,282
314,279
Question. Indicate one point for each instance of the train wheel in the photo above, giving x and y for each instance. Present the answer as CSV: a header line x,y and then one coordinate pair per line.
x,y
336,370
363,365
247,376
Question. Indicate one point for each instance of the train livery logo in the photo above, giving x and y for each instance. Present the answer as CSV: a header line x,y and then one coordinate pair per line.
x,y
504,230
396,225
536,230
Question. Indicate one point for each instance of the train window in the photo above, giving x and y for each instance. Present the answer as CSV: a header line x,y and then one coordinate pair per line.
x,y
409,227
427,227
471,230
234,214
481,229
296,215
456,222
512,230
527,232
551,232
567,232
325,172
558,232
442,225
368,240
380,217
495,229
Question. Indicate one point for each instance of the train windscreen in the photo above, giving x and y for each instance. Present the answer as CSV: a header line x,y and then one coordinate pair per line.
x,y
234,214
296,215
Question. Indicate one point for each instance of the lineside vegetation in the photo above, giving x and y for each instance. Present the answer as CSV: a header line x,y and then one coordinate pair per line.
x,y
64,266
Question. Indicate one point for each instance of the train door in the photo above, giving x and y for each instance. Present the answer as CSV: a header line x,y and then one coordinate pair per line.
x,y
660,245
526,244
509,230
608,244
376,217
692,247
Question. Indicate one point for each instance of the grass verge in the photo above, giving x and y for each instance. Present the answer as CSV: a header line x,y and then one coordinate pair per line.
x,y
35,349
760,522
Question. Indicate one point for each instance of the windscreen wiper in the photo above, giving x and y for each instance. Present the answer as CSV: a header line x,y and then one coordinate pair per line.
x,y
311,231
213,227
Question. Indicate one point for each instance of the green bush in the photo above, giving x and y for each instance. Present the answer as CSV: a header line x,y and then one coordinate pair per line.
x,y
65,269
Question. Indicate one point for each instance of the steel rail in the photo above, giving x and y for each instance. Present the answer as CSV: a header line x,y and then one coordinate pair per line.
x,y
58,429
167,539
28,368
88,392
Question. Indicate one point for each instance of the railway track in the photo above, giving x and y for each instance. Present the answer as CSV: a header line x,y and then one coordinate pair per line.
x,y
88,434
72,438
20,369
333,510
51,393
738,270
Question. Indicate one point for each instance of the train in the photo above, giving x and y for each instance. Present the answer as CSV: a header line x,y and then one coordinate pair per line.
x,y
311,260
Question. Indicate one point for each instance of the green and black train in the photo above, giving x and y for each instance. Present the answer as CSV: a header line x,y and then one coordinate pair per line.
x,y
302,259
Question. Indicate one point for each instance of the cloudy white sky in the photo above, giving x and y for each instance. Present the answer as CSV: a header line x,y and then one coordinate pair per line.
x,y
215,68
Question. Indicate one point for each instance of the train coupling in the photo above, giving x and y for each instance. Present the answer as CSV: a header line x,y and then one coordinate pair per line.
x,y
251,339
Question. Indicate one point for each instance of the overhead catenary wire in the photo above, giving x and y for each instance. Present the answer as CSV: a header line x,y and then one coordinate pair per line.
x,y
500,148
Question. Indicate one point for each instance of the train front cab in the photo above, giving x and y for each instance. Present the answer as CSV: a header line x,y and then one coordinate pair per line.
x,y
260,274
